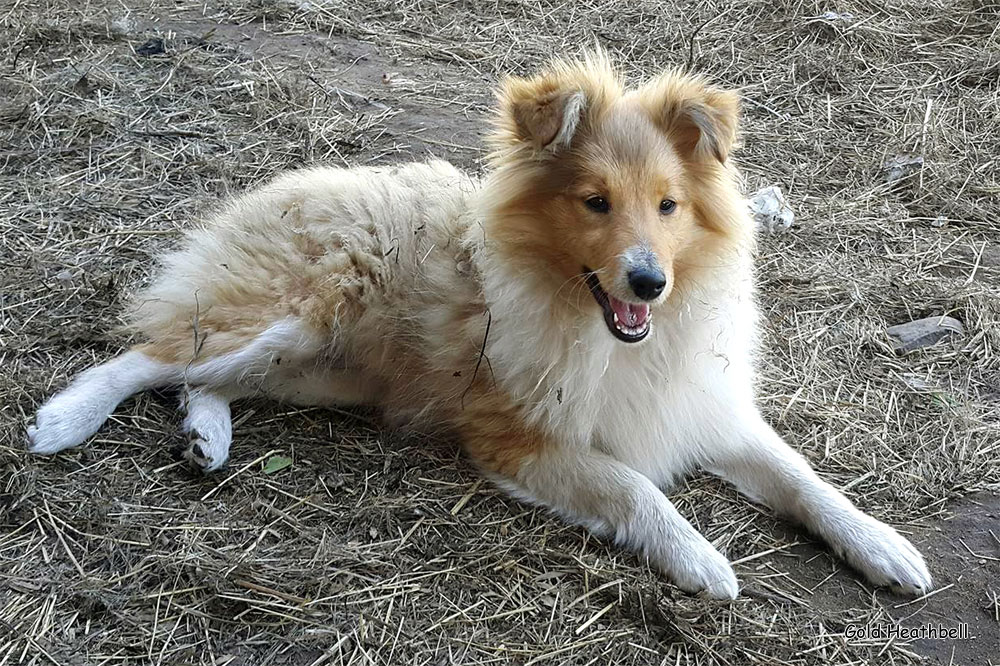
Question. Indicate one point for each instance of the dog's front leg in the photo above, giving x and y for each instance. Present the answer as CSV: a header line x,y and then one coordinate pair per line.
x,y
761,465
606,496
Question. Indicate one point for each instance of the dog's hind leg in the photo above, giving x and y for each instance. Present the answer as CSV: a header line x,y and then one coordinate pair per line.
x,y
70,417
208,421
234,361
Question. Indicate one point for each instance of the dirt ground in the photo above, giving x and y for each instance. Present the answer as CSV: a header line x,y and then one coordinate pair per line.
x,y
122,121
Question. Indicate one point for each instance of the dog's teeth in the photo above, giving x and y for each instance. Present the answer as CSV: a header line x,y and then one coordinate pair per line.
x,y
615,315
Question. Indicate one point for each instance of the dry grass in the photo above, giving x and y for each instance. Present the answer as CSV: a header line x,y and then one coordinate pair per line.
x,y
376,547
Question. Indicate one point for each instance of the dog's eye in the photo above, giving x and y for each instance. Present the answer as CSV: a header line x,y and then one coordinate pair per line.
x,y
598,204
667,206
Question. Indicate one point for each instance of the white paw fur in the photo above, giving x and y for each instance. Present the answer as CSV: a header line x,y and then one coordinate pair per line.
x,y
67,420
209,430
698,568
884,556
72,416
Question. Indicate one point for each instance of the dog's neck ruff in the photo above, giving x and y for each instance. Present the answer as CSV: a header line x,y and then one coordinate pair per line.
x,y
551,358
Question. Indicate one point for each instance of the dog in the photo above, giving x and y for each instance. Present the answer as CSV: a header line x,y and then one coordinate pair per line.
x,y
582,318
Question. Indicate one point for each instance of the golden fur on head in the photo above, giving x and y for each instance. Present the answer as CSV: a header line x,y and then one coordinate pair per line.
x,y
573,133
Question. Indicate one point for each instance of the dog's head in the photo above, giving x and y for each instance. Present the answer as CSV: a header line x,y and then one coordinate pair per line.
x,y
621,191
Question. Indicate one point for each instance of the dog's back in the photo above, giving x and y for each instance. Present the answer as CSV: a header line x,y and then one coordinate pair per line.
x,y
319,244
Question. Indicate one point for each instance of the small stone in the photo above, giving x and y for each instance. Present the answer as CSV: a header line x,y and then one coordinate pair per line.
x,y
924,332
154,46
902,166
837,17
122,25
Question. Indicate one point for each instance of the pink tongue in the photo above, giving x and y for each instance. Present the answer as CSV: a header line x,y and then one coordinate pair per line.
x,y
630,314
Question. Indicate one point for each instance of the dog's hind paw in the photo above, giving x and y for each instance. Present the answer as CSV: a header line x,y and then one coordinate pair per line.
x,y
202,454
64,422
208,427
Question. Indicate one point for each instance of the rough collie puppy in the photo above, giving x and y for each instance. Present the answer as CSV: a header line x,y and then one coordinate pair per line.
x,y
583,318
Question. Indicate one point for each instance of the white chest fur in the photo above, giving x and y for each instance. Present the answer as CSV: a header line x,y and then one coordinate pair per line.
x,y
656,405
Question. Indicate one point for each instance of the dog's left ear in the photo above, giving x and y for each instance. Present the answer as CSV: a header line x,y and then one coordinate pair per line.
x,y
701,120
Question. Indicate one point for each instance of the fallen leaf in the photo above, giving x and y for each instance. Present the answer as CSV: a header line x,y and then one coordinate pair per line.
x,y
276,464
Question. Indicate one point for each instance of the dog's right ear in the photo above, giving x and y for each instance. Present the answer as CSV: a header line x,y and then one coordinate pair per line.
x,y
545,112
540,112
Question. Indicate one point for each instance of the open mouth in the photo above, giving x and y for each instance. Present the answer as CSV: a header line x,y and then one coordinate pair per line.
x,y
629,322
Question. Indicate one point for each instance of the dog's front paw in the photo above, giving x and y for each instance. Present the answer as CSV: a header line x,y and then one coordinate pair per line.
x,y
883,556
700,569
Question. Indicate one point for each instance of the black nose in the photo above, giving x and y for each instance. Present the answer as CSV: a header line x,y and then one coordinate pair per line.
x,y
647,283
